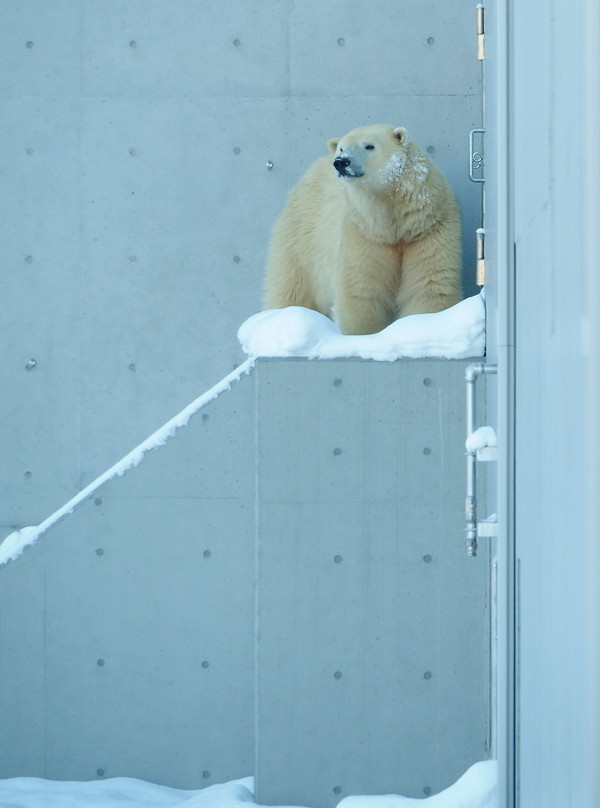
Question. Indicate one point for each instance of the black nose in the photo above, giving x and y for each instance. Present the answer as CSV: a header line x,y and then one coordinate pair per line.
x,y
341,164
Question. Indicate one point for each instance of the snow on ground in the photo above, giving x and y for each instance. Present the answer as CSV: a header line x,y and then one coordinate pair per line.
x,y
477,788
457,333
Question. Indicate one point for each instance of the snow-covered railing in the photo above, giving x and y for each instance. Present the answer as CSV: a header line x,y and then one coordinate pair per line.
x,y
14,544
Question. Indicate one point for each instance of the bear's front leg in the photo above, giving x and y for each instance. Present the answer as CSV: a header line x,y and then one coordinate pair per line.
x,y
430,279
359,315
368,273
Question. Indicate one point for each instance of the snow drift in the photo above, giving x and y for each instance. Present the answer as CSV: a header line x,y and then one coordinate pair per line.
x,y
456,333
477,788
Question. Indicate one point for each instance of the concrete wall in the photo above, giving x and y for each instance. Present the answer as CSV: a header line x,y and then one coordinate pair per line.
x,y
128,639
137,203
373,641
127,631
136,209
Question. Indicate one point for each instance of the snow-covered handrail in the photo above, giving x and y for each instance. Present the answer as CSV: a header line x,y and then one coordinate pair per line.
x,y
14,544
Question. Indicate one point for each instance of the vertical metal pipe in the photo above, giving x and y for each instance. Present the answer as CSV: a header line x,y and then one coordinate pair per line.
x,y
472,373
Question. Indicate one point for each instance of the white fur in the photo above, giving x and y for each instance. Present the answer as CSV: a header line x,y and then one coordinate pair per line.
x,y
381,241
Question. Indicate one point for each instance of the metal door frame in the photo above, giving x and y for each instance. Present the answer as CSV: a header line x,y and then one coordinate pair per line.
x,y
498,212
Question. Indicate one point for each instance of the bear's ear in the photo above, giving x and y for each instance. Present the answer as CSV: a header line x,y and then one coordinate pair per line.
x,y
333,144
401,135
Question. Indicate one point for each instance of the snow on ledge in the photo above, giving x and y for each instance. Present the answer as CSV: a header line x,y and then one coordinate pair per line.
x,y
456,333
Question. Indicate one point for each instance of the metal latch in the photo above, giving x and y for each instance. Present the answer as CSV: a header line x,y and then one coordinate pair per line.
x,y
476,166
480,32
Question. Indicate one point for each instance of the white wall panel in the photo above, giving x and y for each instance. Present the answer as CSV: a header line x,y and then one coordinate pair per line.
x,y
552,451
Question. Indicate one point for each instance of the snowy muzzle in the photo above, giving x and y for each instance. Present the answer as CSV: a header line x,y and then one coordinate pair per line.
x,y
343,166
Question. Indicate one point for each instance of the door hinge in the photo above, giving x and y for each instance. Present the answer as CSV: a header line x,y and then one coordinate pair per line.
x,y
480,256
480,32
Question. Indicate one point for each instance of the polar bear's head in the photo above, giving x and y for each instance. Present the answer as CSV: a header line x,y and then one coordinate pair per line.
x,y
370,153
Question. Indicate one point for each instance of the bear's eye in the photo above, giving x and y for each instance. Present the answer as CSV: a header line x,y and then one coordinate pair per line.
x,y
370,147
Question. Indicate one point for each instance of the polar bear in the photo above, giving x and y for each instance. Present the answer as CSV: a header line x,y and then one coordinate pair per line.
x,y
369,237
